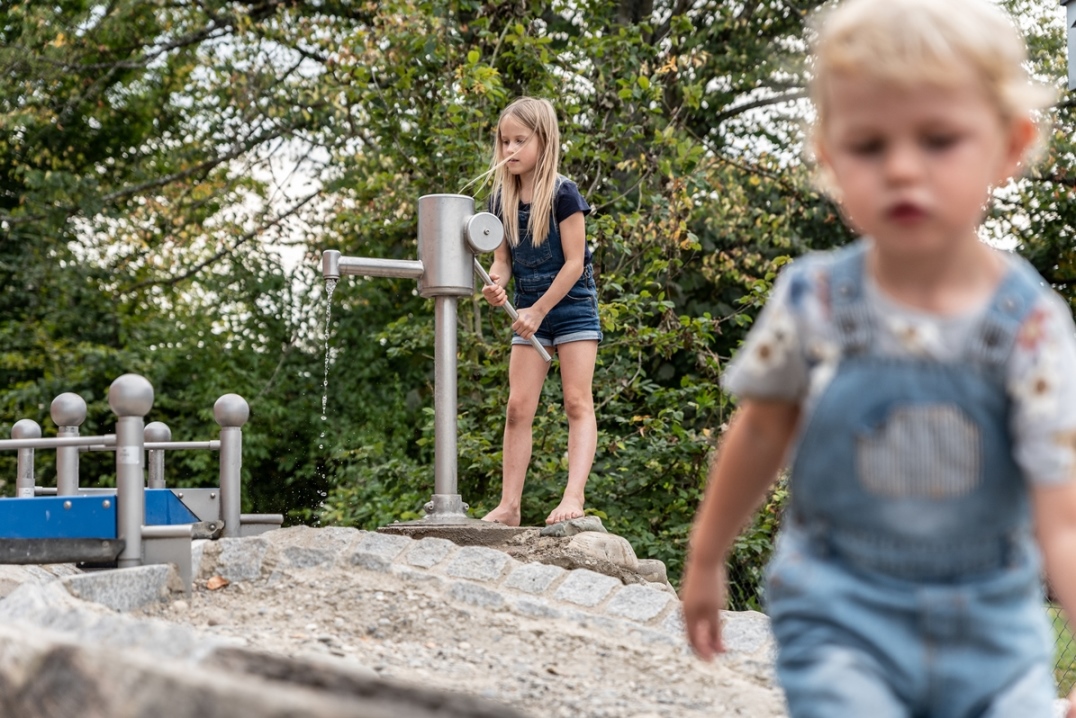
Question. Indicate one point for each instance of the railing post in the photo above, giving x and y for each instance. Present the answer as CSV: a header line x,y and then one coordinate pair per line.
x,y
131,398
24,481
231,411
156,431
68,411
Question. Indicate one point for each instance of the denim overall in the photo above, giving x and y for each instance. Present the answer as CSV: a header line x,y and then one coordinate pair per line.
x,y
906,582
575,317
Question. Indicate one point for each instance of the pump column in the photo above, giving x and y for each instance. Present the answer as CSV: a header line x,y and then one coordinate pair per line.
x,y
448,274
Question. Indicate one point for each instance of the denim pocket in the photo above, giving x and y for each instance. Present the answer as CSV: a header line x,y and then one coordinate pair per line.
x,y
581,294
527,255
921,451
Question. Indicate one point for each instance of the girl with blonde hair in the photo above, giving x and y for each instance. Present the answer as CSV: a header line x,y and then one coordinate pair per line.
x,y
545,251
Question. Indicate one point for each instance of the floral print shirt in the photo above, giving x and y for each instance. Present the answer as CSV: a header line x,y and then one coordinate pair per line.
x,y
792,352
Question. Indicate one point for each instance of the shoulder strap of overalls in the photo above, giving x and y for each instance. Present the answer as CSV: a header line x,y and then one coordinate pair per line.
x,y
991,343
851,316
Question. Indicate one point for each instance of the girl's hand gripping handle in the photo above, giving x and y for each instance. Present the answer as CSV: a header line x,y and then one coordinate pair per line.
x,y
510,309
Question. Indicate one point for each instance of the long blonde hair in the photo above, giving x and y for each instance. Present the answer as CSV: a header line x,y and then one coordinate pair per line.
x,y
540,118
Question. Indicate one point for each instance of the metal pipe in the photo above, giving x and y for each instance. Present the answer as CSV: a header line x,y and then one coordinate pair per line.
x,y
25,429
231,411
51,442
213,445
334,265
444,396
131,398
67,463
156,431
167,531
68,411
507,306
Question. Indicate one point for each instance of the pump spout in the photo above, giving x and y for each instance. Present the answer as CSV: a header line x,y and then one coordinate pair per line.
x,y
333,265
330,264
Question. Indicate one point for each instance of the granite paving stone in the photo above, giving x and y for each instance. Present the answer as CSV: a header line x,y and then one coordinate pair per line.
x,y
638,602
429,551
533,577
585,587
478,563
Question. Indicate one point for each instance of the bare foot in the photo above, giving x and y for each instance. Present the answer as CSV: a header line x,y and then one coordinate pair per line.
x,y
569,509
503,515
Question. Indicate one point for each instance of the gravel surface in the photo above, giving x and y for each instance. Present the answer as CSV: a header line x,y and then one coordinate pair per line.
x,y
412,627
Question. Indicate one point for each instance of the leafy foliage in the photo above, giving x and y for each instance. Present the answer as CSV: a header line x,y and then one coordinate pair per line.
x,y
170,172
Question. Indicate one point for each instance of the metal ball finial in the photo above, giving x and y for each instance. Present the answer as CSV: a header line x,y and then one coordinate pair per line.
x,y
26,429
231,410
157,431
130,395
68,409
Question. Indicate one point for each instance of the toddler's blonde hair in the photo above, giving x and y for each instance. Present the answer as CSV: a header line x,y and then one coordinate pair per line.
x,y
912,42
540,118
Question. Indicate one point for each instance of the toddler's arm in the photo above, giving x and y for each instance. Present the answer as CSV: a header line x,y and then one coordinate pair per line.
x,y
750,455
1055,523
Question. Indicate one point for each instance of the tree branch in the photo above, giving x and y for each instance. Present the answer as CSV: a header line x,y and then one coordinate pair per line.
x,y
224,252
755,104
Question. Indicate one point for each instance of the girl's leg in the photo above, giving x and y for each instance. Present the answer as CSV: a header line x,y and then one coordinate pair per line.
x,y
526,374
577,375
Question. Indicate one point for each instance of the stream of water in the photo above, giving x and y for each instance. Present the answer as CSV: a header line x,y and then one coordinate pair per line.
x,y
330,287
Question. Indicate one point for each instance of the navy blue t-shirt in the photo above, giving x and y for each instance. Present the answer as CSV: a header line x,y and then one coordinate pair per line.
x,y
566,202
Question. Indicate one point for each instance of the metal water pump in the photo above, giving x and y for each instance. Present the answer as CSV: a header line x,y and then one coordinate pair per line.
x,y
450,234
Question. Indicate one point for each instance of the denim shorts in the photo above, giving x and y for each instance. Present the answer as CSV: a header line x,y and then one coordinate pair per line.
x,y
573,319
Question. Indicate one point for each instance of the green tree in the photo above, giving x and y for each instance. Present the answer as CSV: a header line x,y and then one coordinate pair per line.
x,y
162,165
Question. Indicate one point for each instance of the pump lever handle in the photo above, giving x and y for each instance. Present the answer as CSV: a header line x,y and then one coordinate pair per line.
x,y
507,306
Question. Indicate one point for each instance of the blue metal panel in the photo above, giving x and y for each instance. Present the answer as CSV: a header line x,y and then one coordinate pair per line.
x,y
58,517
163,508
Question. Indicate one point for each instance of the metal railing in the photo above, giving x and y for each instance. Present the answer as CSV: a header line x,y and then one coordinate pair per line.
x,y
137,446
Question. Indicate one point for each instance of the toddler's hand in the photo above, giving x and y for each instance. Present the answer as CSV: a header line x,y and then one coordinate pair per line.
x,y
494,293
702,595
528,322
